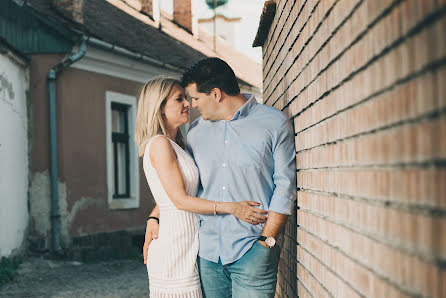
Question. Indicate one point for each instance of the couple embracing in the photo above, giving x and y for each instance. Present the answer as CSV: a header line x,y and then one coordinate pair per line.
x,y
237,171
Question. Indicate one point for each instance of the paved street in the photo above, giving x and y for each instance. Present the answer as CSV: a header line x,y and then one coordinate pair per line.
x,y
47,278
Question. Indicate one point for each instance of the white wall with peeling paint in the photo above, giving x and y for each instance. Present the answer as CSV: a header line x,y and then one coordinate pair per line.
x,y
40,208
14,83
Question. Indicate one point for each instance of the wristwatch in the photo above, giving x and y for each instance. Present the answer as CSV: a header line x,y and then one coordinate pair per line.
x,y
269,241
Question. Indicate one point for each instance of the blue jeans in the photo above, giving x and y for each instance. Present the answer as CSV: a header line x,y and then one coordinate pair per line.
x,y
253,275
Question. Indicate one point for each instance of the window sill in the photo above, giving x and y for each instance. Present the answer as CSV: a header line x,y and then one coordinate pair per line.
x,y
123,203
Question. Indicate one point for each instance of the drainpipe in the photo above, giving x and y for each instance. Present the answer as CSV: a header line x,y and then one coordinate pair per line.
x,y
132,55
52,75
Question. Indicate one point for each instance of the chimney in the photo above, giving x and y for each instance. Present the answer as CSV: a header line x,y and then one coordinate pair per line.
x,y
151,8
184,15
71,9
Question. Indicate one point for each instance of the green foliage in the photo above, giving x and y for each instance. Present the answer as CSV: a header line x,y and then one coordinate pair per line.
x,y
8,269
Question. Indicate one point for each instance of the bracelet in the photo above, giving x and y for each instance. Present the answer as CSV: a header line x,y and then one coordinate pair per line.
x,y
215,208
155,218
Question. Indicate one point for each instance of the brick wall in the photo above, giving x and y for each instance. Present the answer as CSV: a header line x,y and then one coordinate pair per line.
x,y
364,82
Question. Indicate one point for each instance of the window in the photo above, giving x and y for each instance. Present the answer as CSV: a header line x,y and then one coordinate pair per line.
x,y
121,152
122,158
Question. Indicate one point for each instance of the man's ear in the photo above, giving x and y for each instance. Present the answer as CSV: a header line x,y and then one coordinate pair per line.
x,y
216,94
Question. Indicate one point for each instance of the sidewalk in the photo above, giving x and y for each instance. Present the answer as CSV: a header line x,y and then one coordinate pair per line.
x,y
48,278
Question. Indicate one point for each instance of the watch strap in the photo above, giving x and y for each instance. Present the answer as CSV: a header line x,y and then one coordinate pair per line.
x,y
155,218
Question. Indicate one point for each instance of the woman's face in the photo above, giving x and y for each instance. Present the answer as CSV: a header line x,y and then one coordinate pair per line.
x,y
176,108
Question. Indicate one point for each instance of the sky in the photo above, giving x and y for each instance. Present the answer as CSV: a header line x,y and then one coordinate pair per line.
x,y
249,11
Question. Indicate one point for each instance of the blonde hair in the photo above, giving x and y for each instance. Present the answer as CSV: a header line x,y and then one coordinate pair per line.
x,y
149,121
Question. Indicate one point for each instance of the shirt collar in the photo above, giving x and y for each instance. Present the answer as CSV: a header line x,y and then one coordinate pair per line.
x,y
246,108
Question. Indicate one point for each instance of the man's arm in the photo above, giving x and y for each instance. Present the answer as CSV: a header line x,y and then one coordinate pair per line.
x,y
284,176
274,225
152,228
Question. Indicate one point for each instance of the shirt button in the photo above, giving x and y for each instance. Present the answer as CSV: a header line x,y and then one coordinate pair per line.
x,y
223,188
226,142
224,165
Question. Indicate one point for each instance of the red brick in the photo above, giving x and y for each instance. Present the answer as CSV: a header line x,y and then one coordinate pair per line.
x,y
310,283
408,271
418,142
414,45
439,228
410,100
302,290
338,11
330,281
278,31
419,232
395,185
442,289
361,279
369,244
305,34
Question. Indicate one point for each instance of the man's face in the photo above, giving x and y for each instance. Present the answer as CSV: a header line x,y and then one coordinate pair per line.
x,y
206,104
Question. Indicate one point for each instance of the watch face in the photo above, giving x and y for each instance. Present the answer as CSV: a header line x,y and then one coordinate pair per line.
x,y
270,241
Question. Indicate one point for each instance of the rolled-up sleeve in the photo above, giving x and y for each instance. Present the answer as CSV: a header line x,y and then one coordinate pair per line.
x,y
284,175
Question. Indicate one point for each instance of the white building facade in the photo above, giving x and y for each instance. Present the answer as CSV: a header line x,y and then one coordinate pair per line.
x,y
14,86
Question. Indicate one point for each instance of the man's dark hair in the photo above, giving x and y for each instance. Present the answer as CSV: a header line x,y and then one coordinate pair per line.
x,y
210,73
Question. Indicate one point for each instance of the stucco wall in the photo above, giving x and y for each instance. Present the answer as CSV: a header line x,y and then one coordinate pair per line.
x,y
364,82
81,154
14,84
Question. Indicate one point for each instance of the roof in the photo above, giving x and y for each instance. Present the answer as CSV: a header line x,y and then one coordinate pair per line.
x,y
110,24
266,19
9,50
115,22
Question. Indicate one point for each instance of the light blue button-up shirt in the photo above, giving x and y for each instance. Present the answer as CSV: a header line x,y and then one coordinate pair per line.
x,y
249,157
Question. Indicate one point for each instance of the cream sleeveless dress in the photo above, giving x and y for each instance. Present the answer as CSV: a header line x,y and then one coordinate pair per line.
x,y
172,258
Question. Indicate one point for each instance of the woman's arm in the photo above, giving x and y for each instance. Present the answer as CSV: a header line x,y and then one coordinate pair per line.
x,y
152,228
164,160
155,212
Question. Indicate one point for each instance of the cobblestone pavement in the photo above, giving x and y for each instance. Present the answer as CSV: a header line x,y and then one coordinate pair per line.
x,y
48,278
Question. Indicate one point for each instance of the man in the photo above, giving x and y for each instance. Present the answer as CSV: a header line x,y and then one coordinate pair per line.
x,y
244,151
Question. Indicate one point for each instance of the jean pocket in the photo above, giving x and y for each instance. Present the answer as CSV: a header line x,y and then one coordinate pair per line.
x,y
262,247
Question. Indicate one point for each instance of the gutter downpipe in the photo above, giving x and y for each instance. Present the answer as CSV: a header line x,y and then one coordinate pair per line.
x,y
121,51
52,76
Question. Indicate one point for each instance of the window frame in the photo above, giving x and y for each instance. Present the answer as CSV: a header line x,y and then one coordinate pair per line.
x,y
131,198
121,138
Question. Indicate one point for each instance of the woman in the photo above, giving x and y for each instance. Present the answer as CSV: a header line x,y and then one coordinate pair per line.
x,y
173,179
